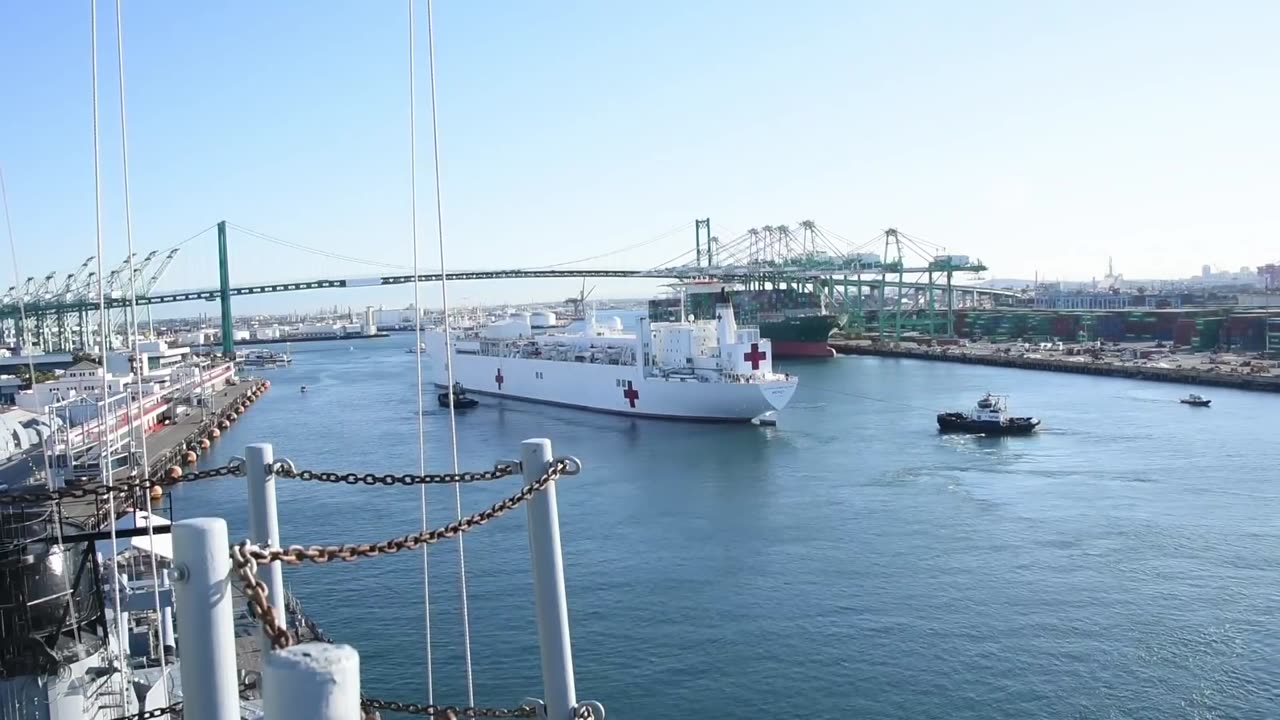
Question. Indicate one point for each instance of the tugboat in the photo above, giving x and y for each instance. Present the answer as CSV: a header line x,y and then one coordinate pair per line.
x,y
989,417
1195,400
460,398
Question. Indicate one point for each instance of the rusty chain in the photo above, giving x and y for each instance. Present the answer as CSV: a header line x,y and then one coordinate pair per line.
x,y
174,709
245,556
245,566
297,554
499,471
127,485
447,712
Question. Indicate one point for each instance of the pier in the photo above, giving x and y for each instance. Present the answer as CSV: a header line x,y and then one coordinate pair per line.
x,y
1082,365
167,448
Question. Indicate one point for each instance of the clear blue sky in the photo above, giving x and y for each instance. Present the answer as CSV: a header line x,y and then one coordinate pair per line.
x,y
1037,136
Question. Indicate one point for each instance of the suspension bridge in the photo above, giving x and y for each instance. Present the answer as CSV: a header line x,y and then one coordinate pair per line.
x,y
909,278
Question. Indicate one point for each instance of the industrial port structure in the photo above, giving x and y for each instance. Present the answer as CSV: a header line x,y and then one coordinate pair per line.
x,y
892,288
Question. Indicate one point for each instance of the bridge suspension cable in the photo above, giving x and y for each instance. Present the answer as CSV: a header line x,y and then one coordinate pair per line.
x,y
315,251
633,246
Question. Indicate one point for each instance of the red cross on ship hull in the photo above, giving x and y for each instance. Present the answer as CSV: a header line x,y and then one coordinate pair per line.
x,y
631,394
755,357
498,378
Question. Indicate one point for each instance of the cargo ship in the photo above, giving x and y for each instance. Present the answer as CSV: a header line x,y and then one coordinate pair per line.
x,y
699,370
796,323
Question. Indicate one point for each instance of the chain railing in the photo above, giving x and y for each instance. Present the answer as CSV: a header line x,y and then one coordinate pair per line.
x,y
131,484
284,468
246,559
245,556
124,486
174,710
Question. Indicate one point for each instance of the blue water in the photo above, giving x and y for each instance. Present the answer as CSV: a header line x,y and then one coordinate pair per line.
x,y
849,563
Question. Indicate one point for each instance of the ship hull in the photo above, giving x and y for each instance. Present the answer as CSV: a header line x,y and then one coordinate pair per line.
x,y
615,389
954,422
799,348
777,314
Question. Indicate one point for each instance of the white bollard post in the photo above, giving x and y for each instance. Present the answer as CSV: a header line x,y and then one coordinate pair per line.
x,y
550,604
264,527
202,592
312,681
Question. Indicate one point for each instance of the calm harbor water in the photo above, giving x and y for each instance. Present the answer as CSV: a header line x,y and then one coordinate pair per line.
x,y
848,563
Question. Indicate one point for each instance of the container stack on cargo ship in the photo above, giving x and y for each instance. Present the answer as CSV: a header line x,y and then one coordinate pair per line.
x,y
797,323
1196,328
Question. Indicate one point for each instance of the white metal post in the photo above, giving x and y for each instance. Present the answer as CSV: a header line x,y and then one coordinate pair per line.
x,y
550,604
264,526
312,681
202,590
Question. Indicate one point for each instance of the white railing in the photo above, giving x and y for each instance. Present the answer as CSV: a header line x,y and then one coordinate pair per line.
x,y
321,681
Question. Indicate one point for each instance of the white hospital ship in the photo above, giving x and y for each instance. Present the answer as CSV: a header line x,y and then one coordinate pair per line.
x,y
702,370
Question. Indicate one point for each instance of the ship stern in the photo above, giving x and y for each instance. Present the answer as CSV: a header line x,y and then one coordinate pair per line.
x,y
778,392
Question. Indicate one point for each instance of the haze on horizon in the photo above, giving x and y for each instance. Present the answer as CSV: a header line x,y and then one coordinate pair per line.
x,y
1039,138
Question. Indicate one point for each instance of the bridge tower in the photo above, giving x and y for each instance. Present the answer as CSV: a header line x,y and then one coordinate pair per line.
x,y
224,294
699,226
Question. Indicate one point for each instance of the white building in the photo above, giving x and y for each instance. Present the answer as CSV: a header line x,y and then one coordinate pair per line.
x,y
157,360
82,380
383,317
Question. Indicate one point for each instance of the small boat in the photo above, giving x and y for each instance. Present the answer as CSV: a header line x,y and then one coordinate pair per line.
x,y
421,348
304,388
1195,400
460,398
990,416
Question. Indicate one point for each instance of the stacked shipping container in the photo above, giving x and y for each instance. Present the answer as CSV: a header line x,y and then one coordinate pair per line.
x,y
1200,328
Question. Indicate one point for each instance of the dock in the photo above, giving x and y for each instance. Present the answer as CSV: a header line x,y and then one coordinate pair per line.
x,y
165,449
1200,374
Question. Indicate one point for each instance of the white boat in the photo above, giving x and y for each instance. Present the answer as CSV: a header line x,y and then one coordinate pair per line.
x,y
702,370
419,348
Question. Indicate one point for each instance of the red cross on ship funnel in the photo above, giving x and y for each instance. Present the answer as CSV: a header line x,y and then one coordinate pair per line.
x,y
631,394
755,356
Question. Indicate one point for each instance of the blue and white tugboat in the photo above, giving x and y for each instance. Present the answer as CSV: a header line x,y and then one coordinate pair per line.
x,y
989,417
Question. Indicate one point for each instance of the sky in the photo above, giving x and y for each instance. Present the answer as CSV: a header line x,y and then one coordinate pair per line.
x,y
1040,137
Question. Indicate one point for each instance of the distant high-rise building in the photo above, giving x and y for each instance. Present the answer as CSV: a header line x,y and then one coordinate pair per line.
x,y
1205,271
1270,276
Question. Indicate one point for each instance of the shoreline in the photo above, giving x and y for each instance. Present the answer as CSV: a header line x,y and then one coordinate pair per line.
x,y
1239,381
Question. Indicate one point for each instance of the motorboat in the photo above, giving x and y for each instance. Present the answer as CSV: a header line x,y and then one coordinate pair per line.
x,y
460,398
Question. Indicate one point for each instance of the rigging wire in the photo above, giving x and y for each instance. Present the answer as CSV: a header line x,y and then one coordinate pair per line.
x,y
104,439
132,325
22,316
74,616
417,351
448,349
